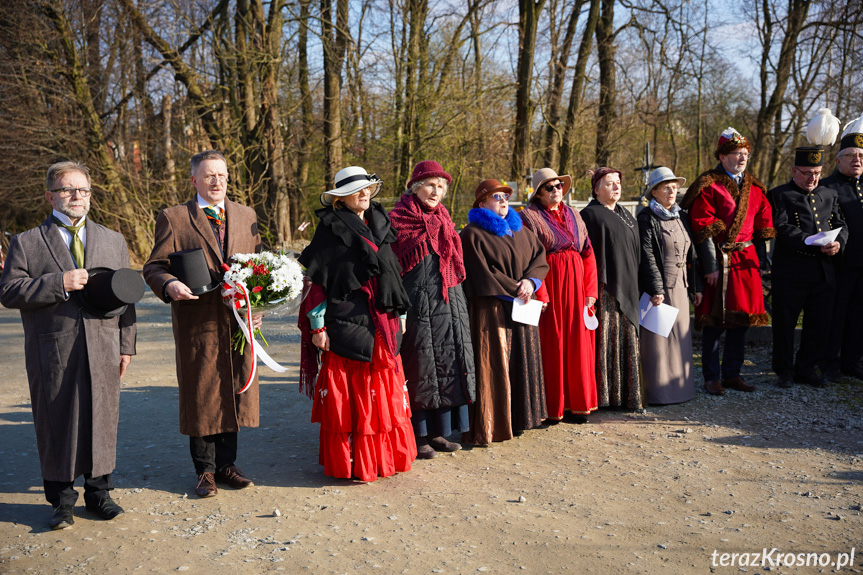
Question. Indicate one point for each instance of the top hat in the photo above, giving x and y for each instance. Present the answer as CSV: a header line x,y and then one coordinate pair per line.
x,y
540,177
852,136
659,175
428,169
190,267
349,181
109,292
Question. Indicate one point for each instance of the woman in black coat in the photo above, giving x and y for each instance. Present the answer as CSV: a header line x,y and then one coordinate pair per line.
x,y
437,351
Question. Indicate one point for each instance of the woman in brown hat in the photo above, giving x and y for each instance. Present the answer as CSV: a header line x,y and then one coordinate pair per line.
x,y
567,343
436,350
614,235
504,261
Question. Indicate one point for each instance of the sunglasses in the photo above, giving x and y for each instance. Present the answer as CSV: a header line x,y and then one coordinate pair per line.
x,y
501,197
551,187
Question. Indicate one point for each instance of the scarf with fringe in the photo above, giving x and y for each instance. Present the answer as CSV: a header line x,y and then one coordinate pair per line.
x,y
420,232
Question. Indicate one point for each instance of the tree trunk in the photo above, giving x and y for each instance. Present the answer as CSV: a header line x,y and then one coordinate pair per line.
x,y
529,11
334,48
605,52
555,90
577,87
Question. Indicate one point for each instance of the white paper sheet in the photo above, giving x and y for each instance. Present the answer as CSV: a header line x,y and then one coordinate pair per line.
x,y
590,321
822,238
526,312
656,318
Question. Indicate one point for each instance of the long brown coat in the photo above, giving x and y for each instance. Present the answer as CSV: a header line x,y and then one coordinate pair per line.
x,y
209,372
72,357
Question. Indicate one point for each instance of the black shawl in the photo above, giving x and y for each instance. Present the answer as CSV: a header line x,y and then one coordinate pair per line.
x,y
614,236
341,260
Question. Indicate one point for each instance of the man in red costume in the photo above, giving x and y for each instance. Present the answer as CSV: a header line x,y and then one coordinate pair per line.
x,y
728,209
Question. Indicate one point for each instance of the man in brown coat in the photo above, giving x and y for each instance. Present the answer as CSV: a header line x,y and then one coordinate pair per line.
x,y
75,357
209,371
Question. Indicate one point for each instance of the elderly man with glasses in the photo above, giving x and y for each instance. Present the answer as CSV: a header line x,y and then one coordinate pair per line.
x,y
75,357
845,340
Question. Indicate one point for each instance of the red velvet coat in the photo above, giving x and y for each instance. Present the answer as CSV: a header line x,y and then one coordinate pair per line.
x,y
720,213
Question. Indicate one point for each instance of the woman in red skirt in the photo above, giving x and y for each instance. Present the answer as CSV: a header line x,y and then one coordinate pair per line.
x,y
567,344
351,315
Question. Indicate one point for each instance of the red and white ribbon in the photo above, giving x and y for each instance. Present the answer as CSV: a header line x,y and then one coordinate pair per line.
x,y
246,327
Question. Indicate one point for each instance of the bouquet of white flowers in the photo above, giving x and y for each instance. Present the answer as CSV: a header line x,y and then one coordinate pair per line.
x,y
256,283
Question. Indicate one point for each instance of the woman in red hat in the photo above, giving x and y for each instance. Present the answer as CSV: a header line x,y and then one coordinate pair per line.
x,y
436,350
504,261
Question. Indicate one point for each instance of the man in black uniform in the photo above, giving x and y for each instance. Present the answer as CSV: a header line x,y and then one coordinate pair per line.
x,y
845,344
803,275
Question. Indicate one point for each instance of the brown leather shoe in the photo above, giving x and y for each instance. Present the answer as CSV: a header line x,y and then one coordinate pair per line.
x,y
232,476
713,387
738,384
206,485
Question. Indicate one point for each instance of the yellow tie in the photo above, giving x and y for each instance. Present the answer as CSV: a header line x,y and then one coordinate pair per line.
x,y
77,246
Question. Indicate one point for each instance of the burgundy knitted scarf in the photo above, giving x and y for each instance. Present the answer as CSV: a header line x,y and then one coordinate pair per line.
x,y
421,232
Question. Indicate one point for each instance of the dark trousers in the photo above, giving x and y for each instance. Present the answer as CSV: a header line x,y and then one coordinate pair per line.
x,y
815,300
845,344
213,453
732,355
64,493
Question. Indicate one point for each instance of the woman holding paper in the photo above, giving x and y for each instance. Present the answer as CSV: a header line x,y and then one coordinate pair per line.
x,y
505,265
668,275
350,314
567,343
438,356
614,236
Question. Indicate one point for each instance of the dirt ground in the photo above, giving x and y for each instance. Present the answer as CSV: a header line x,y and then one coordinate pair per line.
x,y
666,491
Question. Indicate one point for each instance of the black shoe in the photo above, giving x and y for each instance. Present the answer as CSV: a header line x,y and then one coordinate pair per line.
x,y
810,378
855,372
832,375
106,508
579,418
785,381
62,517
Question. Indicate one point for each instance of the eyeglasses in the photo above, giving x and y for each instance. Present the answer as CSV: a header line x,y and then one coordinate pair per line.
x,y
216,178
501,197
69,192
551,187
852,156
739,154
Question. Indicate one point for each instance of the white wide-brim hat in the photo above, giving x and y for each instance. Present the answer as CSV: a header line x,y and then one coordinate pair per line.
x,y
540,177
660,175
351,180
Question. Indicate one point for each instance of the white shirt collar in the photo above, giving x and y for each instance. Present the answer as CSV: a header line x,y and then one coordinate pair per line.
x,y
202,203
65,219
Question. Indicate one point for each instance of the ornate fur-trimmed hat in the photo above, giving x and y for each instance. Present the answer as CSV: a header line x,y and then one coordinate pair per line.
x,y
730,140
852,137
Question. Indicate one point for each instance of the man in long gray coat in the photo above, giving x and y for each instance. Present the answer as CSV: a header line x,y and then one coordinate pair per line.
x,y
75,359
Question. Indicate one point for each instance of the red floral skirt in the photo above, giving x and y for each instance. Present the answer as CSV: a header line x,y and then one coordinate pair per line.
x,y
364,412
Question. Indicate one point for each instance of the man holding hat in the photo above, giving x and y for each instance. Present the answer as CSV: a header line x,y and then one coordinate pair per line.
x,y
728,210
845,342
209,371
77,344
803,275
